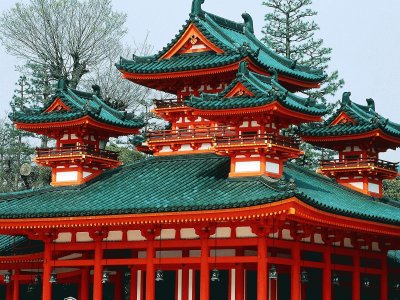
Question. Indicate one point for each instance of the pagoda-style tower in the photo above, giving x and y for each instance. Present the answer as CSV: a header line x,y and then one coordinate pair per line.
x,y
81,124
359,134
256,108
204,57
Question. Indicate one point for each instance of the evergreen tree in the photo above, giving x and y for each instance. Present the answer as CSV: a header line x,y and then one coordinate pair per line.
x,y
290,31
14,151
391,189
17,146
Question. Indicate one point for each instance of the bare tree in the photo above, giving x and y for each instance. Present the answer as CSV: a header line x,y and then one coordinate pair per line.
x,y
124,94
68,37
121,94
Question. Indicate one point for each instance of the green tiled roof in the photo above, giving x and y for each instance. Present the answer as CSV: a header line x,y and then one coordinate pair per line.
x,y
177,63
365,116
187,183
265,90
237,41
81,104
394,258
16,245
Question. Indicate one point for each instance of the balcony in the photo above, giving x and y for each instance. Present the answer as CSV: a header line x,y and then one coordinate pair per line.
x,y
358,164
66,152
208,133
168,103
258,140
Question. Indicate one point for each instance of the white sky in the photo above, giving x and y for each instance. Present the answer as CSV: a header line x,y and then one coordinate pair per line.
x,y
364,35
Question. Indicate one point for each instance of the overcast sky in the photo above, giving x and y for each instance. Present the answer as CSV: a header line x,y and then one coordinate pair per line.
x,y
364,35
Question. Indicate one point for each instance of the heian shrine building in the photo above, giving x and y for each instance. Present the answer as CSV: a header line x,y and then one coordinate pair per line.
x,y
218,210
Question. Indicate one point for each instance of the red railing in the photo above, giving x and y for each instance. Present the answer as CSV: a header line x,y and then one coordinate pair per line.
x,y
168,103
270,138
370,162
185,134
76,150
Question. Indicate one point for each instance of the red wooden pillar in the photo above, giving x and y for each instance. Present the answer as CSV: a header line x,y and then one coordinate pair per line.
x,y
16,286
327,274
9,291
118,286
98,271
295,274
204,270
262,286
239,277
384,276
85,282
303,291
150,272
185,283
46,285
356,276
133,284
239,282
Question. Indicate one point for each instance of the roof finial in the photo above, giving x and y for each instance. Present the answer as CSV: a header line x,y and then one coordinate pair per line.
x,y
274,73
346,98
196,7
62,84
96,90
243,70
371,104
248,23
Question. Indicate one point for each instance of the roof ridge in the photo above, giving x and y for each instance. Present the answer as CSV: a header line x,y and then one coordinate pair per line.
x,y
224,22
327,180
37,191
108,108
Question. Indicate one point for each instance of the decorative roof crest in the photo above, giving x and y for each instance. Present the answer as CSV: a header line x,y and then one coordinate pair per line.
x,y
62,84
274,73
346,98
196,7
248,23
371,104
96,90
243,70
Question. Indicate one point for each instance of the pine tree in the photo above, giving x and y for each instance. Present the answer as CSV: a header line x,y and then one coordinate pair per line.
x,y
391,189
291,32
17,147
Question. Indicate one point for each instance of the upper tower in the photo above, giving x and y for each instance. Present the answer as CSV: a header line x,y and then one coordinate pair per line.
x,y
81,124
256,109
206,53
359,134
204,58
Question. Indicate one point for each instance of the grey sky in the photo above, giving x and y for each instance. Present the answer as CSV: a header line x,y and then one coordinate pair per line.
x,y
364,35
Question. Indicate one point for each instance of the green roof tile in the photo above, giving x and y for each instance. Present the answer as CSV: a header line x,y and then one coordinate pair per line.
x,y
81,104
366,118
16,245
186,183
265,90
230,36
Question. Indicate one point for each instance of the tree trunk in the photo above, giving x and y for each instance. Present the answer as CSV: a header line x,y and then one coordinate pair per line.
x,y
287,44
77,74
19,147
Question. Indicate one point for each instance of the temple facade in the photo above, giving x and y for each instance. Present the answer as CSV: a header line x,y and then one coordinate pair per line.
x,y
217,209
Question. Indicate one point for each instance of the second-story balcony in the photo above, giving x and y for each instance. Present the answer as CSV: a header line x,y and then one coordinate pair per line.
x,y
258,141
74,151
185,135
358,164
168,103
